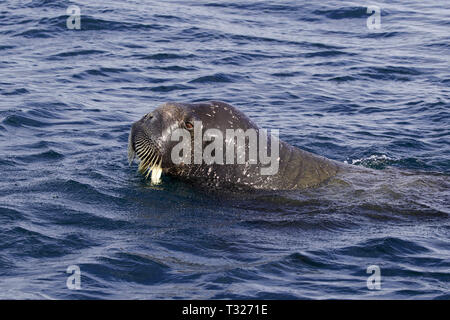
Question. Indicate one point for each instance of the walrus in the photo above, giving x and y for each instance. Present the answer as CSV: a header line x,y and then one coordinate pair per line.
x,y
155,139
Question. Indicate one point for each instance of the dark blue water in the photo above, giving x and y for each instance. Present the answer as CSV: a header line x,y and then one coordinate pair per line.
x,y
313,70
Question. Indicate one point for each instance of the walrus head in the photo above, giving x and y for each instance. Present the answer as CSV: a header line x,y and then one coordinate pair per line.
x,y
151,138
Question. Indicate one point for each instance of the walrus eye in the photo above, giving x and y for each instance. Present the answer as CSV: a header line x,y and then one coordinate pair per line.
x,y
189,125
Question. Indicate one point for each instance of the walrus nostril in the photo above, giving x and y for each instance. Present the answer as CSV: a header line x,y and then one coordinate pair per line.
x,y
148,116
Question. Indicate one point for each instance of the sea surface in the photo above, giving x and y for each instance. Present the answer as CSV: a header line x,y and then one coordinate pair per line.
x,y
378,98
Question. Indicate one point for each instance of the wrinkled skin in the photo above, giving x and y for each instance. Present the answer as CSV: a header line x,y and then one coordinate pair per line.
x,y
297,169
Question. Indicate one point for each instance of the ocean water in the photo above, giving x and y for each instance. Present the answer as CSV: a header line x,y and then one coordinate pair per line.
x,y
377,98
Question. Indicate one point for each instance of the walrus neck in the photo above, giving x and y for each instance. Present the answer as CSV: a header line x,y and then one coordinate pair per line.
x,y
298,169
302,169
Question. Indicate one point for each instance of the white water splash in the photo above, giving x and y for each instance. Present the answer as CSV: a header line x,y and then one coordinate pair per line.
x,y
372,160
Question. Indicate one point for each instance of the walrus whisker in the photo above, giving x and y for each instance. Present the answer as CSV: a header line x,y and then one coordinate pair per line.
x,y
148,172
143,166
150,161
140,148
150,168
147,153
147,159
152,158
156,172
143,154
141,145
139,140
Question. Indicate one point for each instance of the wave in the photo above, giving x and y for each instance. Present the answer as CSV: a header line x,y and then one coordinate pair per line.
x,y
215,78
25,243
164,56
168,88
343,13
74,53
17,120
384,247
49,27
49,155
14,92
